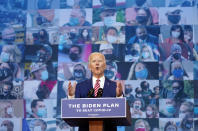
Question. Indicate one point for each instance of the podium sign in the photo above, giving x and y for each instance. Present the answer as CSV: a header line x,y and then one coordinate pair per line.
x,y
93,108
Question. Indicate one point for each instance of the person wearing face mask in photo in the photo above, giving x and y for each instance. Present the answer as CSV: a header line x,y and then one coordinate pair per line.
x,y
77,18
138,93
188,34
143,17
39,71
7,109
142,36
186,110
43,37
128,93
186,124
11,53
111,71
112,35
132,12
133,53
174,17
74,54
156,93
177,91
108,18
7,125
64,39
152,111
176,36
85,37
44,54
9,72
146,92
170,110
39,109
7,87
37,125
138,71
79,73
176,54
107,51
136,109
147,54
177,72
170,126
141,125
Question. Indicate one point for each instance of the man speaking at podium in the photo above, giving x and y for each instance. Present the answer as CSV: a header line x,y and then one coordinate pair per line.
x,y
97,65
98,85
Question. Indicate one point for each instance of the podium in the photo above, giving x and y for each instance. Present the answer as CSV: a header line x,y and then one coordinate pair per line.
x,y
96,112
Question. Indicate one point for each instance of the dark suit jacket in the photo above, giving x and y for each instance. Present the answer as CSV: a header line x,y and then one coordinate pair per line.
x,y
109,90
84,87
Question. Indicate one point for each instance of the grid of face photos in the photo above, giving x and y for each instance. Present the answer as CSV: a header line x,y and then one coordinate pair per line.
x,y
149,45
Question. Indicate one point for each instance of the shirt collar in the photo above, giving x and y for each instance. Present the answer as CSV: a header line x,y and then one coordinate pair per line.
x,y
101,78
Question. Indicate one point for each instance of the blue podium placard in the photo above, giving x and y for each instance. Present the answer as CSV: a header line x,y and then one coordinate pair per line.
x,y
93,108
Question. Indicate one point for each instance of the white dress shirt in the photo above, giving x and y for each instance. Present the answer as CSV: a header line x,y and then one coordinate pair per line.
x,y
102,81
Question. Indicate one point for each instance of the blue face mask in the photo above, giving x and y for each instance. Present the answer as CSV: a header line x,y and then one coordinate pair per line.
x,y
171,109
196,110
73,21
109,74
44,75
142,74
42,112
5,57
178,73
145,55
109,21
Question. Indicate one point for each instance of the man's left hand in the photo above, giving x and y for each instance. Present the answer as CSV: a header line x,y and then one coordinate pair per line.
x,y
118,89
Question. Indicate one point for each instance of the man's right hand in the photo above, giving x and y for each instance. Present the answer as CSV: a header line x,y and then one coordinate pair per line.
x,y
71,89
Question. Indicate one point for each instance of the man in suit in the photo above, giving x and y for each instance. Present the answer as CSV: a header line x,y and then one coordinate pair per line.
x,y
97,65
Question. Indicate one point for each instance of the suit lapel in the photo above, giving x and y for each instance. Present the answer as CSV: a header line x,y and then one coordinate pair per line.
x,y
105,88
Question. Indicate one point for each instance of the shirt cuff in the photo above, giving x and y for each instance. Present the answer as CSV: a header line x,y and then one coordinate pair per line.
x,y
71,97
120,96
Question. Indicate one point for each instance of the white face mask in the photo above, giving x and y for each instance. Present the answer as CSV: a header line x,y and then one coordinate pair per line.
x,y
149,112
85,34
175,34
3,128
110,20
111,39
37,128
182,115
9,110
70,3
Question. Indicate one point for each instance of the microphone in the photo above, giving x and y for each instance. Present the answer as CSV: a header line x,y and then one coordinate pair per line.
x,y
91,93
100,91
